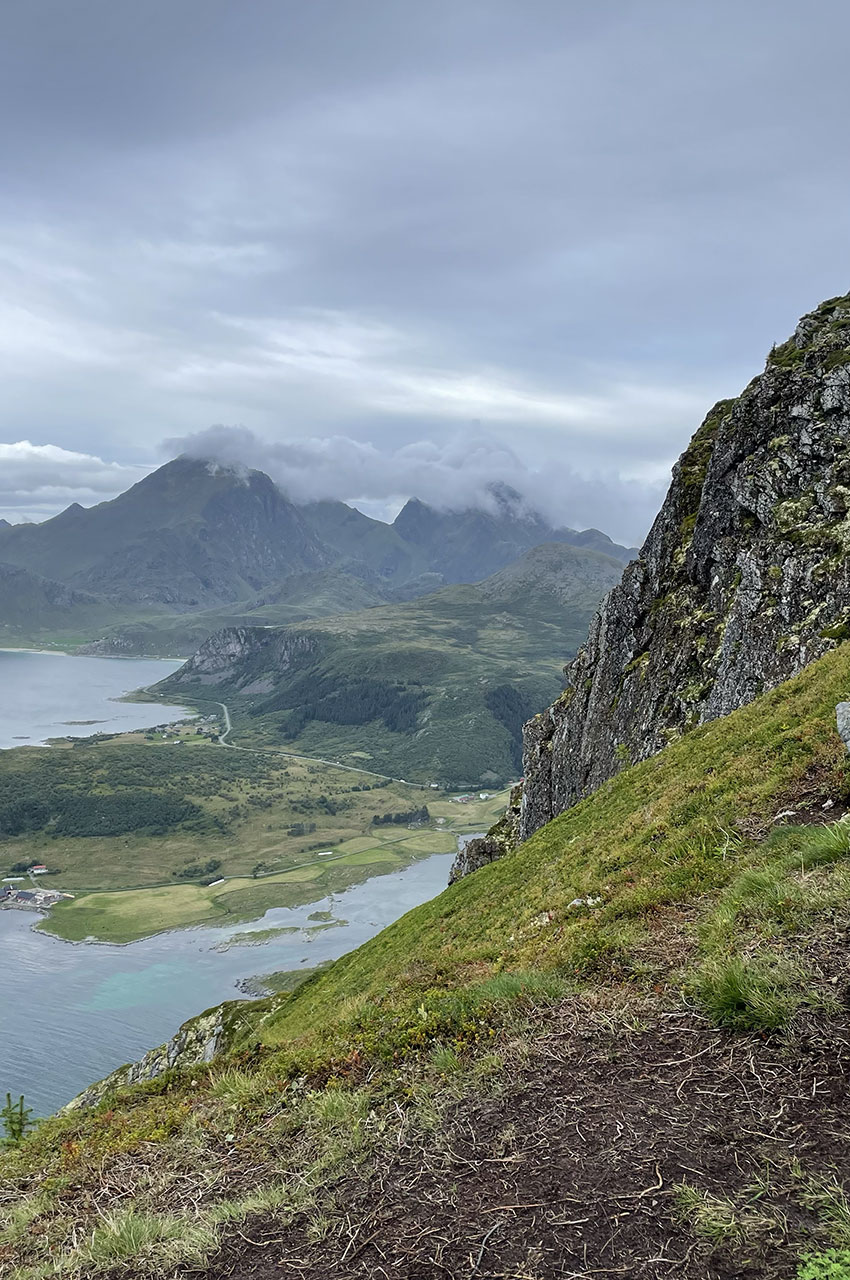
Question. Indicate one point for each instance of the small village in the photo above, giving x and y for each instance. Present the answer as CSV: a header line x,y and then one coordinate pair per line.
x,y
22,893
177,731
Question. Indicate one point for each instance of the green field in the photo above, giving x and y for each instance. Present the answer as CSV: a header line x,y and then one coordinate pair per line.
x,y
196,814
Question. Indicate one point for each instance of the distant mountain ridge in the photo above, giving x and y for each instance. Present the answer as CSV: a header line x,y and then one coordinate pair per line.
x,y
29,600
433,688
194,537
185,537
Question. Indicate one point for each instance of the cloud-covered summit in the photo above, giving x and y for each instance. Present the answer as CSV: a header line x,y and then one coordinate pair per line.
x,y
461,473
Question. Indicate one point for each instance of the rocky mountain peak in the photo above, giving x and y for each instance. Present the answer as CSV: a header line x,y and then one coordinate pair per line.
x,y
742,581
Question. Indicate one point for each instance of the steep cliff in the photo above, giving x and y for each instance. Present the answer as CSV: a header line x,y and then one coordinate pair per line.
x,y
244,659
199,1040
742,581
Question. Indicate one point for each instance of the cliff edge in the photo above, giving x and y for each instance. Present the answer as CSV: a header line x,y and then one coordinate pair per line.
x,y
742,581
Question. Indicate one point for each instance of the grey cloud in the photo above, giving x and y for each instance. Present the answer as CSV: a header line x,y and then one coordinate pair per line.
x,y
452,476
576,225
38,480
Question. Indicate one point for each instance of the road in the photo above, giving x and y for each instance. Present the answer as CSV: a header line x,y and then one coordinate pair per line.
x,y
293,755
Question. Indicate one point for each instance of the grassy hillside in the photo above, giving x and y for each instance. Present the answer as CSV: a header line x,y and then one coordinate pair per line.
x,y
659,836
682,934
434,689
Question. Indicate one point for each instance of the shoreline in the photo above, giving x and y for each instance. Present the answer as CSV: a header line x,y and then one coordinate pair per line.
x,y
192,928
110,657
62,733
19,648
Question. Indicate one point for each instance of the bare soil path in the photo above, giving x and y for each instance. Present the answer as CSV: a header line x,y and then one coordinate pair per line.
x,y
577,1168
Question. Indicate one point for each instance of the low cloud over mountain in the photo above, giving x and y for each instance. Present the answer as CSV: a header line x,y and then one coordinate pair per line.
x,y
452,476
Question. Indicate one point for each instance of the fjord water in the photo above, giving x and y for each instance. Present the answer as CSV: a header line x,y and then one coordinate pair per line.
x,y
57,695
70,1014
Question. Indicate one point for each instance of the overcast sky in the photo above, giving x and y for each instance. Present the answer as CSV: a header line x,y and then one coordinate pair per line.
x,y
467,240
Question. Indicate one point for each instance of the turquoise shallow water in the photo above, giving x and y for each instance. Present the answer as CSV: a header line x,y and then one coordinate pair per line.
x,y
71,1014
43,694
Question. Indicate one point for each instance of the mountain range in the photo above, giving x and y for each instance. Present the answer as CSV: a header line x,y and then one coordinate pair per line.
x,y
195,538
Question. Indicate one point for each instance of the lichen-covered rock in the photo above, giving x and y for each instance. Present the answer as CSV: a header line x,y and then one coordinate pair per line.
x,y
842,722
499,840
199,1040
742,581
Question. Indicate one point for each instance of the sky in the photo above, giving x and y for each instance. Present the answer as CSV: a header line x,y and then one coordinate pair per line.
x,y
388,247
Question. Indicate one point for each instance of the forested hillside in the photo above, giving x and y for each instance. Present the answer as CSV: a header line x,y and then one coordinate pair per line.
x,y
433,690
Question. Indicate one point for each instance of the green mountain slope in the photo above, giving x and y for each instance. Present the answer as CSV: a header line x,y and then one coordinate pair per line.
x,y
355,536
435,689
636,938
317,593
34,609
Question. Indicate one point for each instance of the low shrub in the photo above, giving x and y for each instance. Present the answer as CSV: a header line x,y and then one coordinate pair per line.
x,y
832,1265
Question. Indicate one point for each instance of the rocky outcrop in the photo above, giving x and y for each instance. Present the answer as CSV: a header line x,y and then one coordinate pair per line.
x,y
239,657
498,841
199,1040
742,581
842,722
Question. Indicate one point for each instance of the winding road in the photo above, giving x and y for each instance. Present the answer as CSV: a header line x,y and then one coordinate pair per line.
x,y
293,755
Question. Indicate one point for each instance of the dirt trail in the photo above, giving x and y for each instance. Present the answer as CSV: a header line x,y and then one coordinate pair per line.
x,y
576,1169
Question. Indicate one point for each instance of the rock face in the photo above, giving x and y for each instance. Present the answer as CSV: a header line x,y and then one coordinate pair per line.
x,y
237,657
498,841
842,722
742,581
198,1040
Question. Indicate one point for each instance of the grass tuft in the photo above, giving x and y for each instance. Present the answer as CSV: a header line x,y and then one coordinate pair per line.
x,y
446,1060
715,1218
128,1235
827,1198
748,993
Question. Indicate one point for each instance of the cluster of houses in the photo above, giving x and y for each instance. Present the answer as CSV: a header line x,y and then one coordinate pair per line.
x,y
31,897
177,732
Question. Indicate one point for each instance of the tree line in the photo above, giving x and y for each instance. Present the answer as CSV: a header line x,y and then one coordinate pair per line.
x,y
398,819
